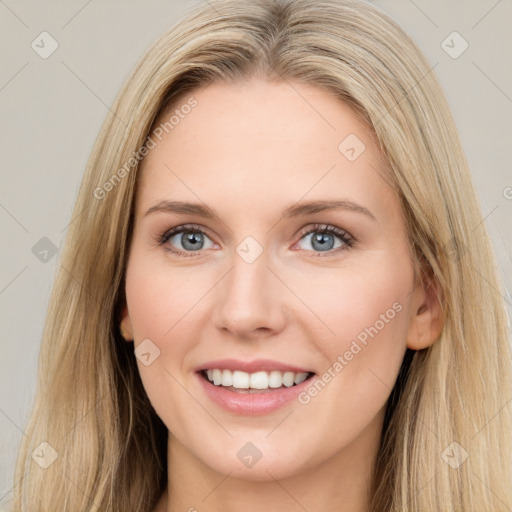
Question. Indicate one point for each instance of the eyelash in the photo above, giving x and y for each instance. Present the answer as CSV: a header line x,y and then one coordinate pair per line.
x,y
347,239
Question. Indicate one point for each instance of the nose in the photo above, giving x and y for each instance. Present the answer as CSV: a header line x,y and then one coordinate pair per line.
x,y
250,300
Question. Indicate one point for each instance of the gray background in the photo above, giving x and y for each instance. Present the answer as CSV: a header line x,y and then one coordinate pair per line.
x,y
52,109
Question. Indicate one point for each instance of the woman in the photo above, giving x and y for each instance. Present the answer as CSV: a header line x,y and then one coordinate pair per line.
x,y
203,351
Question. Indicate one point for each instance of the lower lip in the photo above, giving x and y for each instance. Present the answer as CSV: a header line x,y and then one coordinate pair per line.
x,y
252,404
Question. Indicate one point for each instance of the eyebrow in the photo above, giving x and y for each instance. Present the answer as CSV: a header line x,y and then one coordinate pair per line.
x,y
295,210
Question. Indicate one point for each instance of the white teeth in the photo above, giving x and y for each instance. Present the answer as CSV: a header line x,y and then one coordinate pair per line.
x,y
217,377
240,380
300,377
288,379
257,380
227,378
275,379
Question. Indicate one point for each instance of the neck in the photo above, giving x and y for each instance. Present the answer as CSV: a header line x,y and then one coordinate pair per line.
x,y
340,482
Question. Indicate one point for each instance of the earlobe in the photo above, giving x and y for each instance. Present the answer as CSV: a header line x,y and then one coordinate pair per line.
x,y
427,318
125,325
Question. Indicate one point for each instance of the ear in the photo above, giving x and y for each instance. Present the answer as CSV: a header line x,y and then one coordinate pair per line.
x,y
427,316
125,325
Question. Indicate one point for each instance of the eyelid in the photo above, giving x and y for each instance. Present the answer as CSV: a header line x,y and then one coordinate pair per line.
x,y
175,230
328,228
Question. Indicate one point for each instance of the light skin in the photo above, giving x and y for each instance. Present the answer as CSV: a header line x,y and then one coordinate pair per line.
x,y
249,151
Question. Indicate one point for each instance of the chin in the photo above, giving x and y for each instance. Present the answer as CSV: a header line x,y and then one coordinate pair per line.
x,y
248,462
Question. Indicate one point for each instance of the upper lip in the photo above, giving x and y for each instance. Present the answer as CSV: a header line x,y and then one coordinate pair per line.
x,y
257,365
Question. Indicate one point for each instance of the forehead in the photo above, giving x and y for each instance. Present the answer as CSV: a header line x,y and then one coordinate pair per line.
x,y
260,139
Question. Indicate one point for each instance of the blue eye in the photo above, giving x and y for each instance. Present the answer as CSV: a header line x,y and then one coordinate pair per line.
x,y
323,238
193,239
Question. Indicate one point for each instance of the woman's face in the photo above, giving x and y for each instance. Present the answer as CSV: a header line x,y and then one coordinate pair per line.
x,y
292,262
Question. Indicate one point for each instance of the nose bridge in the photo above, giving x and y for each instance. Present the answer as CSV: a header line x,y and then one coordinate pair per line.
x,y
247,296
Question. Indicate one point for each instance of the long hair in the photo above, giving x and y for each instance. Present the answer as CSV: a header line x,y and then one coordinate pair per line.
x,y
445,444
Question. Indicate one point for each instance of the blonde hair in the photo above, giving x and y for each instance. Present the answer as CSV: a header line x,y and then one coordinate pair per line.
x,y
91,406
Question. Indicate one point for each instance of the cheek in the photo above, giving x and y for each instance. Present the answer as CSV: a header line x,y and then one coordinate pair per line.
x,y
365,315
161,300
162,310
371,323
360,302
167,306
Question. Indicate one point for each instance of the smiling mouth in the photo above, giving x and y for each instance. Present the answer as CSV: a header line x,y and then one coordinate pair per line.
x,y
257,382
